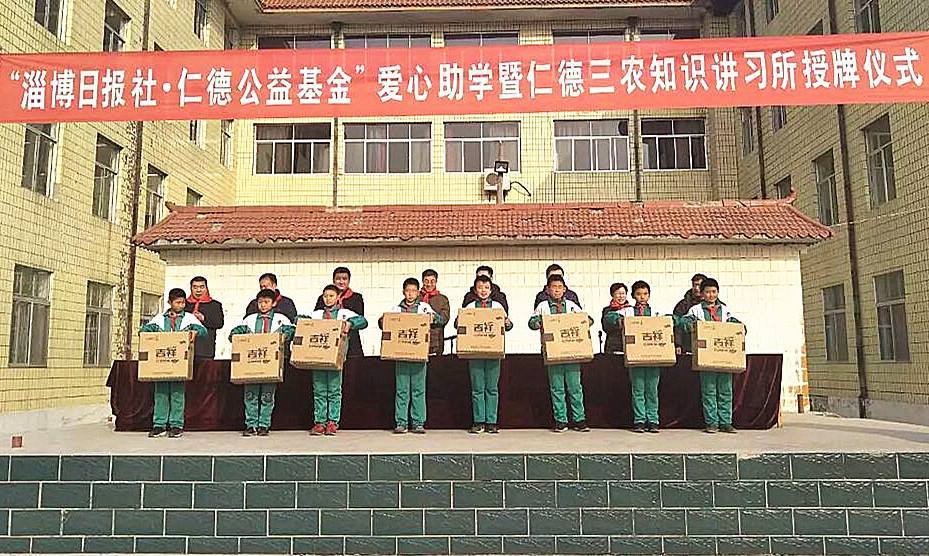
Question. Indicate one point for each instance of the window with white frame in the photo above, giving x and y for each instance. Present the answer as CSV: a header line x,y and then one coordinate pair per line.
x,y
867,16
481,39
154,196
150,306
880,161
475,146
195,132
98,322
388,148
294,42
783,188
834,323
200,17
30,317
674,144
668,34
771,8
115,22
778,118
591,145
748,130
193,198
48,14
39,150
292,148
391,40
824,170
588,37
890,292
106,170
225,143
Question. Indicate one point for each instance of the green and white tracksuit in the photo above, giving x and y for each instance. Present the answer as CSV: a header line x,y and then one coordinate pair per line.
x,y
565,375
410,397
715,388
485,378
259,398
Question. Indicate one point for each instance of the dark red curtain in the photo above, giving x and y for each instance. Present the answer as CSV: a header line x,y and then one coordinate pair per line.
x,y
213,403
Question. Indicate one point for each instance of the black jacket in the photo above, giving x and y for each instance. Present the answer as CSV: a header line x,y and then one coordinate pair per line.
x,y
496,294
285,307
354,303
614,338
213,320
543,296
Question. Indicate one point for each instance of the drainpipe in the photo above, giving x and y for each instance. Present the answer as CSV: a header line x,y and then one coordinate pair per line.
x,y
635,137
762,178
337,38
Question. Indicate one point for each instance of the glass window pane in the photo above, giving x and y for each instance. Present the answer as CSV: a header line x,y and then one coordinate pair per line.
x,y
398,131
399,159
656,127
376,158
461,130
273,42
462,39
602,151
605,127
311,42
501,129
621,154
320,158
607,36
283,158
572,128
666,159
265,131
354,131
421,131
511,153
901,337
376,131
357,41
491,152
38,339
421,157
698,152
569,37
417,41
453,157
303,155
472,157
563,155
354,158
264,157
376,41
582,155
650,153
694,127
19,333
311,131
500,38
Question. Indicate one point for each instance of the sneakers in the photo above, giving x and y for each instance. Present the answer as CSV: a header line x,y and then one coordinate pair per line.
x,y
250,431
560,427
175,432
581,426
331,428
401,429
318,429
727,429
638,427
263,431
417,429
492,428
711,429
651,427
157,432
478,428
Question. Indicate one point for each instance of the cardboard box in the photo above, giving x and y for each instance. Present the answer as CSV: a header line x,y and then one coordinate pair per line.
x,y
319,344
165,356
566,338
481,333
719,346
257,358
649,341
405,337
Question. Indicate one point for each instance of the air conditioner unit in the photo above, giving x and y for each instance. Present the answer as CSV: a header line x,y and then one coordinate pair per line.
x,y
490,179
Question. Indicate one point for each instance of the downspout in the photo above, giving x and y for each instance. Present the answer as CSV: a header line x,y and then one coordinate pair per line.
x,y
632,33
337,40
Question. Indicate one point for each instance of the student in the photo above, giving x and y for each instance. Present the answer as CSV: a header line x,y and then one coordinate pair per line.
x,y
327,384
210,314
545,295
283,305
560,375
348,299
715,388
410,398
613,329
259,398
439,303
496,293
168,416
485,373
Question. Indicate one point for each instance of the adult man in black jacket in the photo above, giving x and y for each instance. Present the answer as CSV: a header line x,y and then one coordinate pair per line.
x,y
544,295
282,304
496,293
210,314
351,300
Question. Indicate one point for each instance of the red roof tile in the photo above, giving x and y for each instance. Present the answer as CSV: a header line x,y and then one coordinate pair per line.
x,y
351,5
660,221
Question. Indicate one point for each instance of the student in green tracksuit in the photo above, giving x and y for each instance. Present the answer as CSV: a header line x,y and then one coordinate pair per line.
x,y
410,397
485,373
327,384
259,398
715,388
168,416
568,374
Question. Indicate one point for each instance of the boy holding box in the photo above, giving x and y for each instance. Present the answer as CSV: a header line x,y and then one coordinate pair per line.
x,y
259,398
567,374
327,384
168,416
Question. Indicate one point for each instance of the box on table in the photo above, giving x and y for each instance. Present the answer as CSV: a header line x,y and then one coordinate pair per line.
x,y
649,341
319,344
405,337
566,338
165,356
257,358
719,346
481,333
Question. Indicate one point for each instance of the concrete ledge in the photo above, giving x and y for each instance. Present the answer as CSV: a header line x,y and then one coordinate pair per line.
x,y
21,422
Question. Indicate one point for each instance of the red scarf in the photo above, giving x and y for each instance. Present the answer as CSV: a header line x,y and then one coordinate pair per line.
x,y
484,303
343,295
559,304
173,316
197,301
326,313
616,306
640,310
426,296
713,312
266,324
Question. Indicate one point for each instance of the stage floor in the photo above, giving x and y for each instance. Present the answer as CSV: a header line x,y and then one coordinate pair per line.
x,y
800,433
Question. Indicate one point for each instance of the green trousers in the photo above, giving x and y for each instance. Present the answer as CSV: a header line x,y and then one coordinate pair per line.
x,y
644,393
410,399
327,396
558,377
259,404
485,396
169,404
716,391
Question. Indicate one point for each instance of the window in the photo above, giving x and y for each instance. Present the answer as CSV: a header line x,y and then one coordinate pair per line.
x,y
867,16
106,169
778,117
29,324
200,17
388,41
824,168
674,144
225,143
817,29
48,15
748,131
292,148
230,37
783,188
295,42
39,157
195,133
591,145
474,146
151,306
114,28
481,39
668,34
97,324
588,37
770,9
891,316
834,323
193,198
154,196
880,161
388,148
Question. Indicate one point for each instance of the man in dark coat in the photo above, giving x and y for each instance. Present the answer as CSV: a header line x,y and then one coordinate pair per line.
x,y
439,302
210,314
351,300
282,304
544,296
496,293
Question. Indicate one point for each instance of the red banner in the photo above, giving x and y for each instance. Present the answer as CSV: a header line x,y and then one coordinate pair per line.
x,y
251,84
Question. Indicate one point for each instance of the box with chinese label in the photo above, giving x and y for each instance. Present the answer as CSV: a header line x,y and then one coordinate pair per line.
x,y
719,346
405,337
257,358
319,344
566,338
481,333
649,341
165,356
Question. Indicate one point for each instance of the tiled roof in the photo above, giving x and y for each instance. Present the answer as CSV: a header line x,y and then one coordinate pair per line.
x,y
659,221
351,5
